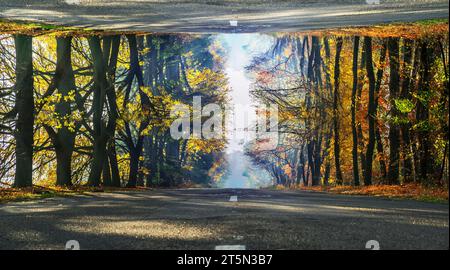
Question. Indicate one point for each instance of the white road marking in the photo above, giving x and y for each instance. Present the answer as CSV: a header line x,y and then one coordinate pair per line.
x,y
234,23
230,247
73,2
233,199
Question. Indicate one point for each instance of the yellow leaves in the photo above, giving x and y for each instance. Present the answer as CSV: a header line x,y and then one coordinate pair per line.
x,y
145,50
413,191
287,170
70,97
287,51
206,80
157,113
48,115
205,146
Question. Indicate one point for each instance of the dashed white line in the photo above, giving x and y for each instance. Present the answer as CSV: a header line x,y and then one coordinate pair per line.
x,y
234,23
230,247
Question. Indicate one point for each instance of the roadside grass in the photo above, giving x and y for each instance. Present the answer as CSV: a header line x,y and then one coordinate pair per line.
x,y
408,191
412,30
35,29
30,28
418,29
10,194
44,190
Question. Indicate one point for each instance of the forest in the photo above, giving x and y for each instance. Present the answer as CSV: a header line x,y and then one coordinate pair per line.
x,y
95,110
356,110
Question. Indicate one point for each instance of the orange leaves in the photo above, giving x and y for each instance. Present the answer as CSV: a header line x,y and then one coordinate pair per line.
x,y
407,191
287,170
264,77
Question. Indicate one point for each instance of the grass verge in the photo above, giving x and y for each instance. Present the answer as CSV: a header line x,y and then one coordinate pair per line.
x,y
407,191
40,192
412,30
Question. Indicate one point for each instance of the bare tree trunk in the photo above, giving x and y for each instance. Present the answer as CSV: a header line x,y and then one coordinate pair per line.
x,y
24,106
98,103
359,131
115,174
371,111
405,93
63,139
106,172
394,132
110,53
353,111
337,150
422,113
378,138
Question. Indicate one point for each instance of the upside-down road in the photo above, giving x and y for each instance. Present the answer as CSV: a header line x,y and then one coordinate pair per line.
x,y
215,15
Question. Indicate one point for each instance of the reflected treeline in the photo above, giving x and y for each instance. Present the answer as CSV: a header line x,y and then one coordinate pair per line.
x,y
356,110
96,109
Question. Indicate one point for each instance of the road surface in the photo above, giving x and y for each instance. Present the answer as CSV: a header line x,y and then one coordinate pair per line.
x,y
215,15
206,218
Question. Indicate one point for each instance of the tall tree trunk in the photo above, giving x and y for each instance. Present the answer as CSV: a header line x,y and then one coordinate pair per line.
x,y
371,111
353,111
303,167
64,138
115,174
98,103
106,172
135,149
405,93
134,168
337,151
445,120
110,53
24,106
135,154
422,113
378,138
359,130
394,132
326,175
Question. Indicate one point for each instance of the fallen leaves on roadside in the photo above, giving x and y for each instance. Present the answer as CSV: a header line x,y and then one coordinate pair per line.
x,y
406,191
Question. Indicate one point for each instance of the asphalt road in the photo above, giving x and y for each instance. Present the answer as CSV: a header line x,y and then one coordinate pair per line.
x,y
214,15
204,218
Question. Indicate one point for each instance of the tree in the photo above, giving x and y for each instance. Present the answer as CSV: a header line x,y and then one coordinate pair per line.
x,y
99,135
111,174
406,95
394,132
353,111
337,151
378,138
24,108
63,136
426,161
371,111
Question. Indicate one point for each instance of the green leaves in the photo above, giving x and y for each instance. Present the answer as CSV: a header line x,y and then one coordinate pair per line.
x,y
404,105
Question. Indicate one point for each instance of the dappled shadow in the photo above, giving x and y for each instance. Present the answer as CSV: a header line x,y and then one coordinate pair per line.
x,y
192,16
200,219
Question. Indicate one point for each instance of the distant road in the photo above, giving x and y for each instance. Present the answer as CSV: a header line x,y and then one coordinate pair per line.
x,y
215,16
206,218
